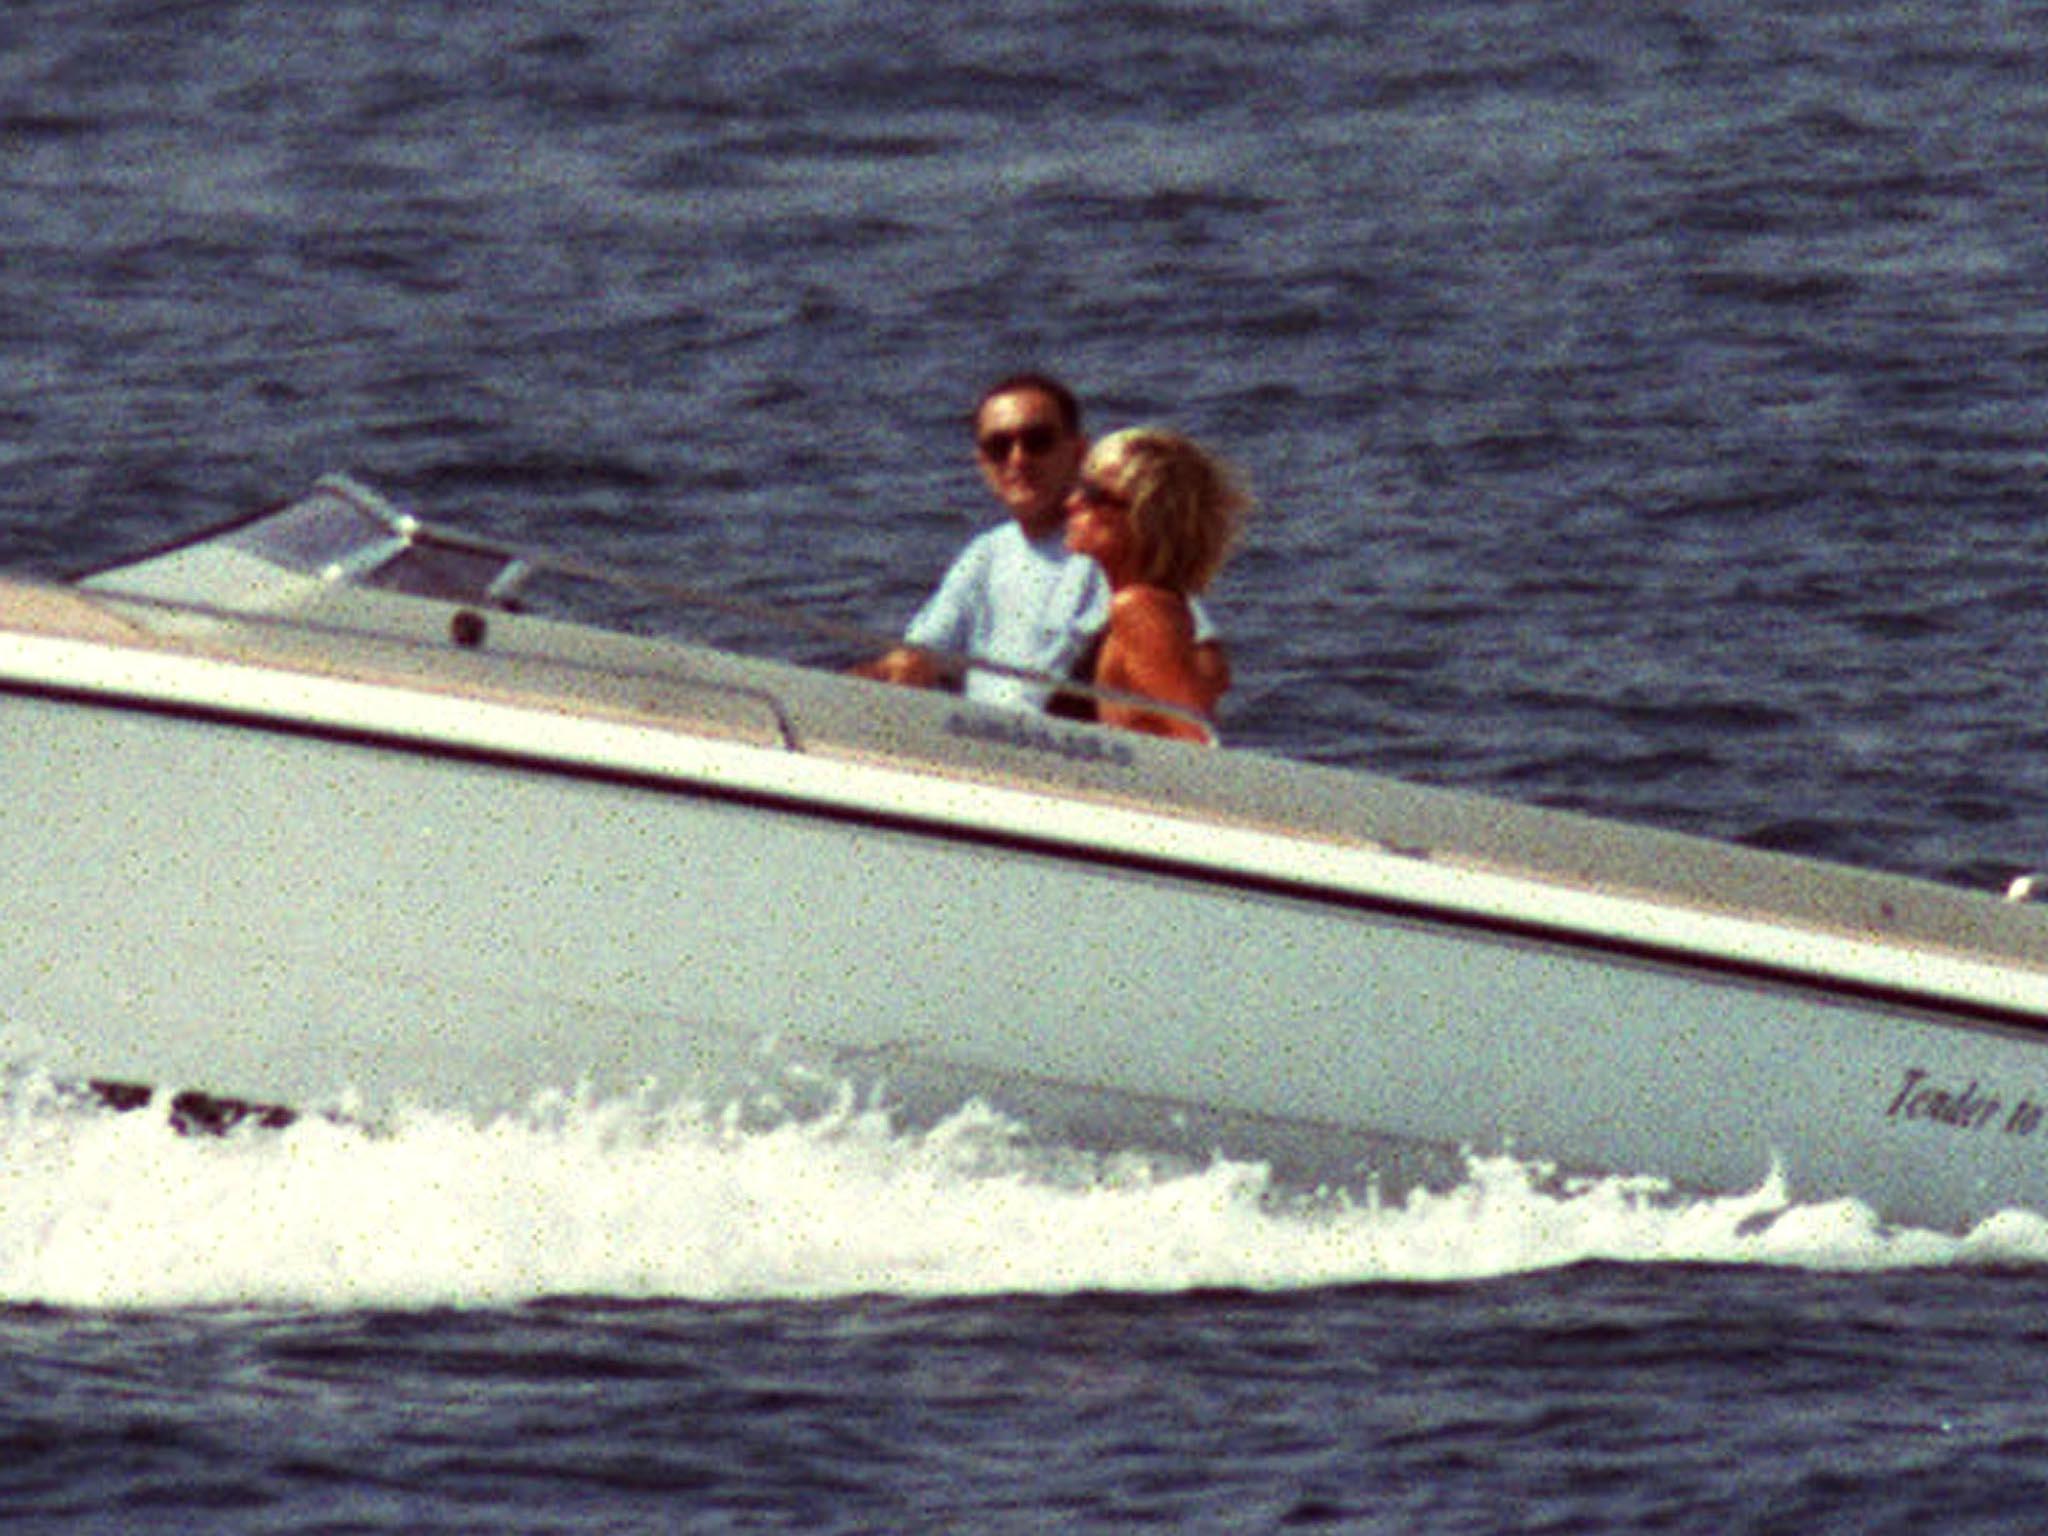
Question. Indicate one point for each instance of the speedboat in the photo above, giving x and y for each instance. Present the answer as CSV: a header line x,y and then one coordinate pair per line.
x,y
333,810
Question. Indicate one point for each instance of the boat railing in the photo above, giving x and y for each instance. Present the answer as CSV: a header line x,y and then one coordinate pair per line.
x,y
284,634
345,534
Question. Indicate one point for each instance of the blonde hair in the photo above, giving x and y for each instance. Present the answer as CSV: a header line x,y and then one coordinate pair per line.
x,y
1186,504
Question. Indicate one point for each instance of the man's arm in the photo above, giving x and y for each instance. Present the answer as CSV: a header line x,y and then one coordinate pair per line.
x,y
906,666
944,623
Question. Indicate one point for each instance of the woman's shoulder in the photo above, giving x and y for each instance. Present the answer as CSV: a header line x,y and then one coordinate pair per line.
x,y
1151,608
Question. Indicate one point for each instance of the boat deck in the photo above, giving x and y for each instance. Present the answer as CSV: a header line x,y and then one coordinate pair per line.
x,y
384,639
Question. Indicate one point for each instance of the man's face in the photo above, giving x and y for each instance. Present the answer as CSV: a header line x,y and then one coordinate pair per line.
x,y
1027,457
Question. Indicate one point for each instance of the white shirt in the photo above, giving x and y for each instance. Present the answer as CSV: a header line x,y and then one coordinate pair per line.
x,y
1019,602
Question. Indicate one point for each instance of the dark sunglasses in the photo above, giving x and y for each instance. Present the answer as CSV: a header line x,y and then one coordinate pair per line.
x,y
1094,493
1035,440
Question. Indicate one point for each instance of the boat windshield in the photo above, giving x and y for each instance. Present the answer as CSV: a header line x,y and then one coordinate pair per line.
x,y
339,533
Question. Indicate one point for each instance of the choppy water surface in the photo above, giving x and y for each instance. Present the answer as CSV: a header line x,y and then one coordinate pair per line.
x,y
1646,408
838,1327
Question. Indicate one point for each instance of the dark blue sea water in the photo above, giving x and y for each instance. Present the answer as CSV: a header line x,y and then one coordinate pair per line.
x,y
1649,410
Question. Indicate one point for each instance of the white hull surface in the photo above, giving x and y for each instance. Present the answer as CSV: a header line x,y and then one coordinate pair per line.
x,y
283,839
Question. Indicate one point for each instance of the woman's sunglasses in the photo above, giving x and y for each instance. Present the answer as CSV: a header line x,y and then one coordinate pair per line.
x,y
1035,441
1093,493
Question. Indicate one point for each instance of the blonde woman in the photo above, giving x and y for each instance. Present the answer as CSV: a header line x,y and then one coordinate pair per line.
x,y
1159,515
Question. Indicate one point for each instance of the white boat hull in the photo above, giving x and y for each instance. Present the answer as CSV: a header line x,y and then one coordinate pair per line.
x,y
340,884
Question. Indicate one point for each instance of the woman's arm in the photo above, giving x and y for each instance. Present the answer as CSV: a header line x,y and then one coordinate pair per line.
x,y
1150,650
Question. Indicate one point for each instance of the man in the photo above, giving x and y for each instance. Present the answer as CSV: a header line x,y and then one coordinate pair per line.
x,y
1016,596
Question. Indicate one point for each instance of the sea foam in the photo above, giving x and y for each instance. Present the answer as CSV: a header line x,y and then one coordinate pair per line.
x,y
577,1198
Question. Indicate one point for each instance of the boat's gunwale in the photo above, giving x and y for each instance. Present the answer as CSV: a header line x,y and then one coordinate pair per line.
x,y
241,674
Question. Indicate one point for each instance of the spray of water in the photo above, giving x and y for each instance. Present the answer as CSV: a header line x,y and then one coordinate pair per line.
x,y
105,1210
